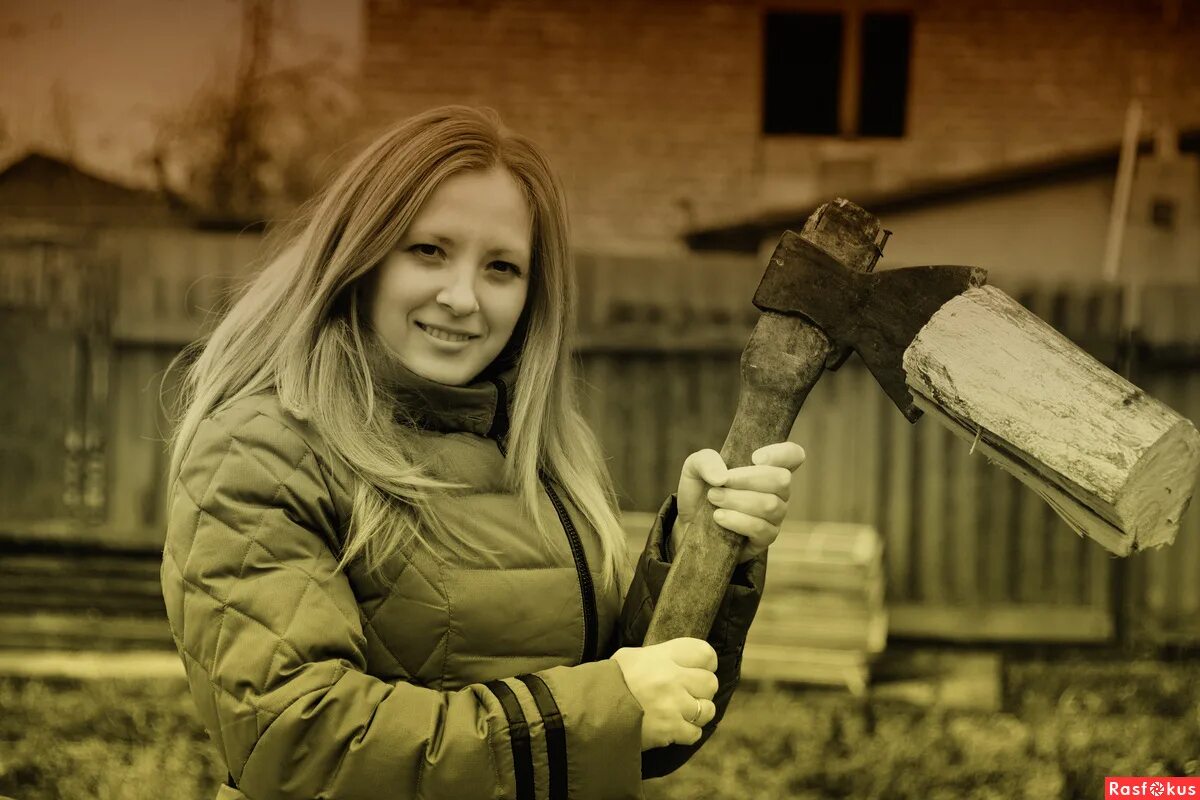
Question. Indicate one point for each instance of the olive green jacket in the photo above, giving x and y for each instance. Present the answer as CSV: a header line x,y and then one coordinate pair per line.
x,y
454,672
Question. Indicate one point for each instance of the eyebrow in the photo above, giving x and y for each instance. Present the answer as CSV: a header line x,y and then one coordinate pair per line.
x,y
506,252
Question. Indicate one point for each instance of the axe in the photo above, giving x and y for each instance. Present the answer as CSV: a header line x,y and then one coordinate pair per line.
x,y
1117,465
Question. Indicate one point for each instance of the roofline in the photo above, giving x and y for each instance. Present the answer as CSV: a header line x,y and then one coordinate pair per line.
x,y
175,206
747,235
74,166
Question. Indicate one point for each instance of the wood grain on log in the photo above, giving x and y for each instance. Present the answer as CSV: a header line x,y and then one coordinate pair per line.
x,y
1118,465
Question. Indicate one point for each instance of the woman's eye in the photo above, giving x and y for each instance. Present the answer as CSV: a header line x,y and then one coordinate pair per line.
x,y
504,266
426,250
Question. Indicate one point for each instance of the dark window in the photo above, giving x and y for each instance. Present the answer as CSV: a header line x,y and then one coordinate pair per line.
x,y
884,92
829,74
803,69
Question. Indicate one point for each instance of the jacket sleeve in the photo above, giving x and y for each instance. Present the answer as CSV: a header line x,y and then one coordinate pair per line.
x,y
727,636
272,641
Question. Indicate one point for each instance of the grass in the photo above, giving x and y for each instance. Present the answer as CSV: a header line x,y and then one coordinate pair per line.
x,y
1067,723
103,740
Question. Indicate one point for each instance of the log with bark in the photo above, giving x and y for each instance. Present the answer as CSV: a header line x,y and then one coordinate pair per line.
x,y
1116,464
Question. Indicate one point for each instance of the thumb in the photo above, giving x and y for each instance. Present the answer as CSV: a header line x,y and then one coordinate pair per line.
x,y
701,470
706,466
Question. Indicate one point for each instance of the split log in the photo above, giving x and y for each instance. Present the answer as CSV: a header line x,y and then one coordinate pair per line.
x,y
1119,466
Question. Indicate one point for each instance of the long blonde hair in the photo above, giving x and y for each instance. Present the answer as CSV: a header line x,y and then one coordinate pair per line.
x,y
300,329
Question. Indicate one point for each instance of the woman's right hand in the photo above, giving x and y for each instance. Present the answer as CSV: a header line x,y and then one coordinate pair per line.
x,y
674,682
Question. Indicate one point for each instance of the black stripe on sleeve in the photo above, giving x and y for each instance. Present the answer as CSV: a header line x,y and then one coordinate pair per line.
x,y
556,734
518,735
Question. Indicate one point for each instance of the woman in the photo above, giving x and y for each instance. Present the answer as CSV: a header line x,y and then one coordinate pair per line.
x,y
393,565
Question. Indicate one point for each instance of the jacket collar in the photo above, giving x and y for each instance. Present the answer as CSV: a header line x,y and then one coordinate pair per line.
x,y
483,406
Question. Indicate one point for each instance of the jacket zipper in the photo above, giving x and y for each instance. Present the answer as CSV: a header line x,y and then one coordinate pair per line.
x,y
587,590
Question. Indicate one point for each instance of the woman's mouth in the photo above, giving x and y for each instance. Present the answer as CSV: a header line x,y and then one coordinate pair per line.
x,y
443,335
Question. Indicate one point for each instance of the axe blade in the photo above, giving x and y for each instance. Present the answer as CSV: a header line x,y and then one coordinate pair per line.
x,y
875,314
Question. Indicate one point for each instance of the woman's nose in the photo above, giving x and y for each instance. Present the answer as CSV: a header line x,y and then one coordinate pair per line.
x,y
458,295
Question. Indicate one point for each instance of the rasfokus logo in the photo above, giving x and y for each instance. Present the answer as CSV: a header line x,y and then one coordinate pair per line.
x,y
1151,787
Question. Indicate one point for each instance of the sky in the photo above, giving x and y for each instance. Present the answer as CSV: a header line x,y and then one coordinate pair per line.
x,y
91,78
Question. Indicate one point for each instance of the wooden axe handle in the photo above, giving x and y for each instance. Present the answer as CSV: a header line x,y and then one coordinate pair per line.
x,y
781,363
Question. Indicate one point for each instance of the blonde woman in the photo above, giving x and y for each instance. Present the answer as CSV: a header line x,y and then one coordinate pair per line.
x,y
393,566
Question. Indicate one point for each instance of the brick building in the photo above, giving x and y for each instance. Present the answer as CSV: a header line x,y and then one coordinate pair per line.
x,y
674,116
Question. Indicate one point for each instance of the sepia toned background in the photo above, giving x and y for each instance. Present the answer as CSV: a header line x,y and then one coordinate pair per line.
x,y
146,147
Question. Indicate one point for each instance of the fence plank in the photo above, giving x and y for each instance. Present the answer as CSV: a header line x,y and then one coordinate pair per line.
x,y
679,418
600,377
1189,533
858,395
963,543
665,470
1027,622
998,527
898,514
869,444
824,479
138,455
931,447
36,373
642,429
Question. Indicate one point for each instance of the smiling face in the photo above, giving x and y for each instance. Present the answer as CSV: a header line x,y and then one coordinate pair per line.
x,y
447,299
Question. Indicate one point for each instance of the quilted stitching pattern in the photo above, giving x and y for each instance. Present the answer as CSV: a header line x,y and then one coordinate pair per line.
x,y
280,646
246,479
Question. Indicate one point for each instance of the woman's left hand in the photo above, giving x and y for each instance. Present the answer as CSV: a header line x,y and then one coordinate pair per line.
x,y
750,500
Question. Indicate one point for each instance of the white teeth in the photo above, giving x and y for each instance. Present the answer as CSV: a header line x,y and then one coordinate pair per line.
x,y
444,335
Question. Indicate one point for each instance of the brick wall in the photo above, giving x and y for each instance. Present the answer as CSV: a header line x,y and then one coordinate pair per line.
x,y
651,110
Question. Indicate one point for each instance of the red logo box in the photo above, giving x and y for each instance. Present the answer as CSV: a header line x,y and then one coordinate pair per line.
x,y
1150,787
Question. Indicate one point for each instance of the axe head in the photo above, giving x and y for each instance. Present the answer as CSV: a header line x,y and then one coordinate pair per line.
x,y
876,314
1117,465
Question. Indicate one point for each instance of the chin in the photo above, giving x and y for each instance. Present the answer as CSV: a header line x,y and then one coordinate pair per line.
x,y
442,376
439,373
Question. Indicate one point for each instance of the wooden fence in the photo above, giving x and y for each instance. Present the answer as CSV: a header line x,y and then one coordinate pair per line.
x,y
969,553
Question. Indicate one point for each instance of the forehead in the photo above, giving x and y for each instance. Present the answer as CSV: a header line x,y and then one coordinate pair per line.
x,y
478,205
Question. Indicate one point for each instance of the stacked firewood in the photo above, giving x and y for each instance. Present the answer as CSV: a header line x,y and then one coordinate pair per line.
x,y
822,618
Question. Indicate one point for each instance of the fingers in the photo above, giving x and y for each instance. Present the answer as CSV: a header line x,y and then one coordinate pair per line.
x,y
674,684
765,478
692,653
699,683
788,455
762,533
688,734
708,710
750,500
765,505
696,714
770,470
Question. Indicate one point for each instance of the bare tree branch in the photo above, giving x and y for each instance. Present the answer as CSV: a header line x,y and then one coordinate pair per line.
x,y
252,144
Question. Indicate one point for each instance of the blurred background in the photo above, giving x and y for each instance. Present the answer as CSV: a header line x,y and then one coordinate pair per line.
x,y
967,642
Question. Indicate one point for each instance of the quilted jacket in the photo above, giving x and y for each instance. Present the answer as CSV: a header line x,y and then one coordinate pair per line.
x,y
454,672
